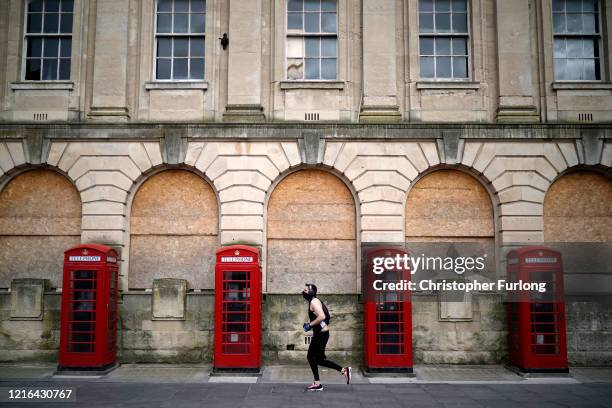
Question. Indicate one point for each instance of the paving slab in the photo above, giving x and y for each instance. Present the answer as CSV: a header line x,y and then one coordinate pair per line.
x,y
444,373
25,371
158,373
593,374
303,375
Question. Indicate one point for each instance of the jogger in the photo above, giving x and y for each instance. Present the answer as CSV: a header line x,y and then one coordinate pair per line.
x,y
319,323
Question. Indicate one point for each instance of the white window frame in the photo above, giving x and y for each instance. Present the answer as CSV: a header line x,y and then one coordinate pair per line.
x,y
450,35
304,35
172,35
43,35
599,36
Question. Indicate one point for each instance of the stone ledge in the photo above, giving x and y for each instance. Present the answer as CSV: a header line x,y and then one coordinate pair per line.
x,y
43,85
447,85
312,84
581,85
203,85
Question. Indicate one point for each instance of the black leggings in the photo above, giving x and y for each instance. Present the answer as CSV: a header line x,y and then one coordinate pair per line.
x,y
316,354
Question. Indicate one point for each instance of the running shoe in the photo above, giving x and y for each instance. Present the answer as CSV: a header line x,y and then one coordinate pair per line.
x,y
348,372
315,387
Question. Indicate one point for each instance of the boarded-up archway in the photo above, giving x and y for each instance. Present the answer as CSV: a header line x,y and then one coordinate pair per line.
x,y
173,233
311,234
450,206
578,208
40,217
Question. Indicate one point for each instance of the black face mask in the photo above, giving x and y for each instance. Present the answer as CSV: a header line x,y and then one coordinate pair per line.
x,y
308,296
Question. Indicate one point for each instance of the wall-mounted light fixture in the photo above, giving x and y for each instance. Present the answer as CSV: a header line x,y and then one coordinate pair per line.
x,y
224,40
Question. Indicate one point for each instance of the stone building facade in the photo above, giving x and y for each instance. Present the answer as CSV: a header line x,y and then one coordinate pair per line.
x,y
390,121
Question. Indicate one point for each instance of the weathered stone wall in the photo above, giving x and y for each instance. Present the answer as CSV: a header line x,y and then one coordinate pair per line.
x,y
311,234
40,217
173,234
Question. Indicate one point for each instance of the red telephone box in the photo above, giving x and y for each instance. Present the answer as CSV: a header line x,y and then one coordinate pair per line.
x,y
89,308
536,321
387,319
237,309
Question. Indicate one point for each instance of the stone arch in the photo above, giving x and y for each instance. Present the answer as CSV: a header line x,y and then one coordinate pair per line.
x,y
40,217
174,228
311,233
577,208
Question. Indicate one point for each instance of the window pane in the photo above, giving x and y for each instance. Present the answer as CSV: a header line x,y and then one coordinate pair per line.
x,y
35,5
328,47
559,48
459,5
197,47
64,69
52,6
163,68
32,69
51,24
51,48
181,47
34,47
295,68
198,6
574,69
67,6
588,23
558,5
460,22
49,71
443,67
328,68
427,67
574,48
573,5
426,24
197,23
574,23
294,21
328,5
294,5
180,68
65,47
328,22
311,5
459,46
558,23
196,68
443,46
164,47
312,22
460,67
181,6
66,24
560,72
589,5
425,5
164,23
589,70
443,23
295,47
164,5
34,23
312,47
312,68
442,5
426,46
181,23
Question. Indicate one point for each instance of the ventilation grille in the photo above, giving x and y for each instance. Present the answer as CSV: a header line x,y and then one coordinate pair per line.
x,y
311,116
40,116
585,117
307,339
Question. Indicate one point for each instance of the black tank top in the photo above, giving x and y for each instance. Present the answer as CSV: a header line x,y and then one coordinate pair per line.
x,y
312,316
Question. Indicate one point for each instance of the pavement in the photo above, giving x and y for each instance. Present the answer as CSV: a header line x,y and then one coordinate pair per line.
x,y
158,385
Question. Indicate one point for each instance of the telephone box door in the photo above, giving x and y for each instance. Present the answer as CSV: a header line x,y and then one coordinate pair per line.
x,y
237,308
537,332
388,320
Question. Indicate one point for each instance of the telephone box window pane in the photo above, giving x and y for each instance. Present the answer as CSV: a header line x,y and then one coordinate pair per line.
x,y
243,276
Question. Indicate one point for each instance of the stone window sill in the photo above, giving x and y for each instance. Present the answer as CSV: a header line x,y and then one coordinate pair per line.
x,y
42,85
312,84
447,85
203,85
581,85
